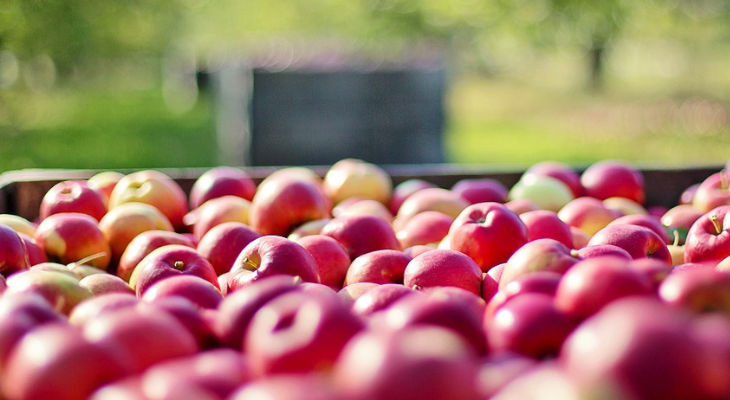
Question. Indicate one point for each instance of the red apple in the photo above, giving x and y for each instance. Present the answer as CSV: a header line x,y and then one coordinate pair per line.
x,y
713,192
490,287
350,293
275,255
73,196
123,223
403,190
699,289
544,224
104,183
430,199
544,282
21,313
500,369
688,195
380,298
305,386
443,268
680,219
142,245
425,228
710,332
558,171
538,255
13,254
638,241
153,188
282,204
219,182
606,179
199,322
168,261
222,244
580,238
489,233
309,228
379,266
653,269
519,206
331,258
105,283
356,178
587,214
417,250
601,250
480,190
218,211
71,237
361,234
199,291
708,240
647,222
363,207
98,306
547,381
59,289
36,255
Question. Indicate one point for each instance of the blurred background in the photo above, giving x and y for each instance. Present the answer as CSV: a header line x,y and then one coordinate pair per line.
x,y
196,83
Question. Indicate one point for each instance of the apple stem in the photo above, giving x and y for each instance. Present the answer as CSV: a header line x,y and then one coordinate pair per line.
x,y
179,265
676,238
716,223
417,287
86,259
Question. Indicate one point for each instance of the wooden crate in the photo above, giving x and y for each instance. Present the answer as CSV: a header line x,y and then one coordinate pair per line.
x,y
21,191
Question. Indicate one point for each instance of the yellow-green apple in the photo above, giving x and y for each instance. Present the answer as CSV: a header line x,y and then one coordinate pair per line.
x,y
143,335
275,255
443,268
559,171
321,322
609,178
97,306
591,284
223,243
350,293
55,267
528,324
688,195
430,199
356,178
403,190
20,313
104,182
380,298
281,205
638,241
538,255
238,308
424,228
646,221
520,206
65,358
708,240
379,266
489,233
73,196
218,211
99,284
362,207
70,237
199,291
480,190
679,219
13,253
308,228
62,291
699,290
587,214
153,188
544,282
122,224
168,261
624,206
331,258
713,192
420,363
219,182
313,385
361,234
36,255
144,244
544,224
18,224
545,192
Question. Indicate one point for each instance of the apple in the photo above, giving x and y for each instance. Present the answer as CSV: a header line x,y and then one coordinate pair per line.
x,y
538,255
218,211
559,171
321,323
331,258
21,313
142,245
308,228
713,192
379,266
547,381
710,332
380,298
544,282
417,250
105,283
430,199
282,204
13,254
350,293
424,228
18,224
223,243
699,290
601,250
679,219
73,196
480,190
36,255
708,240
403,190
199,322
129,388
646,221
104,182
591,284
54,361
98,306
361,234
587,214
199,291
168,261
520,206
688,195
362,207
356,178
638,241
419,363
606,179
153,188
54,267
545,192
123,223
70,237
496,271
238,308
543,224
309,386
624,206
219,182
497,371
528,324
652,268
490,287
489,233
275,255
443,268
60,290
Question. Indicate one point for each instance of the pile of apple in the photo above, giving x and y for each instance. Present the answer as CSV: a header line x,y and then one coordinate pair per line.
x,y
563,287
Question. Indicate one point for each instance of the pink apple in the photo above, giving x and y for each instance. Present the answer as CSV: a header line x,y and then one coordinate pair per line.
x,y
499,370
104,182
559,171
36,254
219,182
680,219
105,283
309,386
638,241
544,282
417,250
587,214
713,192
275,255
601,250
13,254
379,266
70,237
73,196
580,238
646,221
363,207
519,206
380,298
218,211
309,228
223,243
199,291
142,245
538,255
123,223
652,268
350,293
356,178
403,190
545,381
362,234
331,258
544,224
688,195
606,179
430,199
490,287
153,188
199,322
21,313
489,233
424,228
443,268
168,261
282,204
708,240
98,306
700,290
480,190
710,332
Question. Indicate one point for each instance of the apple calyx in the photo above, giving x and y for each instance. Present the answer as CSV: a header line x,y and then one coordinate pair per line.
x,y
249,264
178,265
716,224
85,260
417,287
574,253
